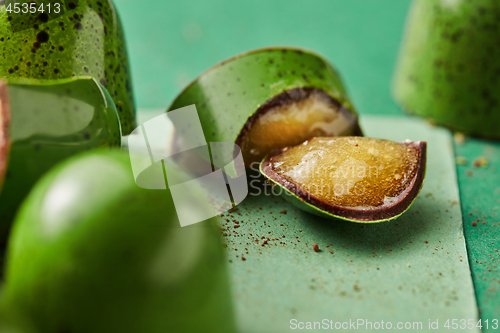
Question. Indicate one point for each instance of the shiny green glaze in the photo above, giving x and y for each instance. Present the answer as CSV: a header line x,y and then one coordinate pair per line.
x,y
86,40
228,94
93,252
448,69
50,121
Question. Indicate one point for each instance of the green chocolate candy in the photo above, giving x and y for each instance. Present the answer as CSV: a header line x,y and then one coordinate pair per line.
x,y
348,175
45,122
85,38
93,252
449,66
231,96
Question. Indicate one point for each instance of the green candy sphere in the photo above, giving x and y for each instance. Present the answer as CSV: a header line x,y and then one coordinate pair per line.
x,y
93,252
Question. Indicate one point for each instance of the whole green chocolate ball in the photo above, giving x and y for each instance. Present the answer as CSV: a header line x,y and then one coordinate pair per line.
x,y
93,252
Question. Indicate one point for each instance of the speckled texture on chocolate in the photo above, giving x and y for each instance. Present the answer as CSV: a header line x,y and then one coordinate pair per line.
x,y
448,69
228,95
86,41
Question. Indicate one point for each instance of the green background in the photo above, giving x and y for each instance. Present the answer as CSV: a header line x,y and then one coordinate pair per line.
x,y
171,42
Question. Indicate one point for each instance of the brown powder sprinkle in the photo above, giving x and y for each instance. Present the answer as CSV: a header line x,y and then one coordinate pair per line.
x,y
481,162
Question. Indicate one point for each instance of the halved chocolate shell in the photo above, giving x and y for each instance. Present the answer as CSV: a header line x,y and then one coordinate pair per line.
x,y
350,178
270,98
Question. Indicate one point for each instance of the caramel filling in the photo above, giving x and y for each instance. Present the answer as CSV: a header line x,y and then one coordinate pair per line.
x,y
352,172
293,123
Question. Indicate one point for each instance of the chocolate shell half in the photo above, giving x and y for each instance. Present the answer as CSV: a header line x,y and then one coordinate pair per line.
x,y
350,178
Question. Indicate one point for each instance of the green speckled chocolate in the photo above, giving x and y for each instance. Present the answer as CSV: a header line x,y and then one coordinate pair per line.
x,y
86,40
230,93
449,67
50,121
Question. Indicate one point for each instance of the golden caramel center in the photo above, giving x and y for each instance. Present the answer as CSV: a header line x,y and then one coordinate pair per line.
x,y
349,171
293,123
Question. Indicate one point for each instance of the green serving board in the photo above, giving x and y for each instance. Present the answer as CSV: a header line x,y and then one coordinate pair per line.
x,y
413,269
480,194
361,37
